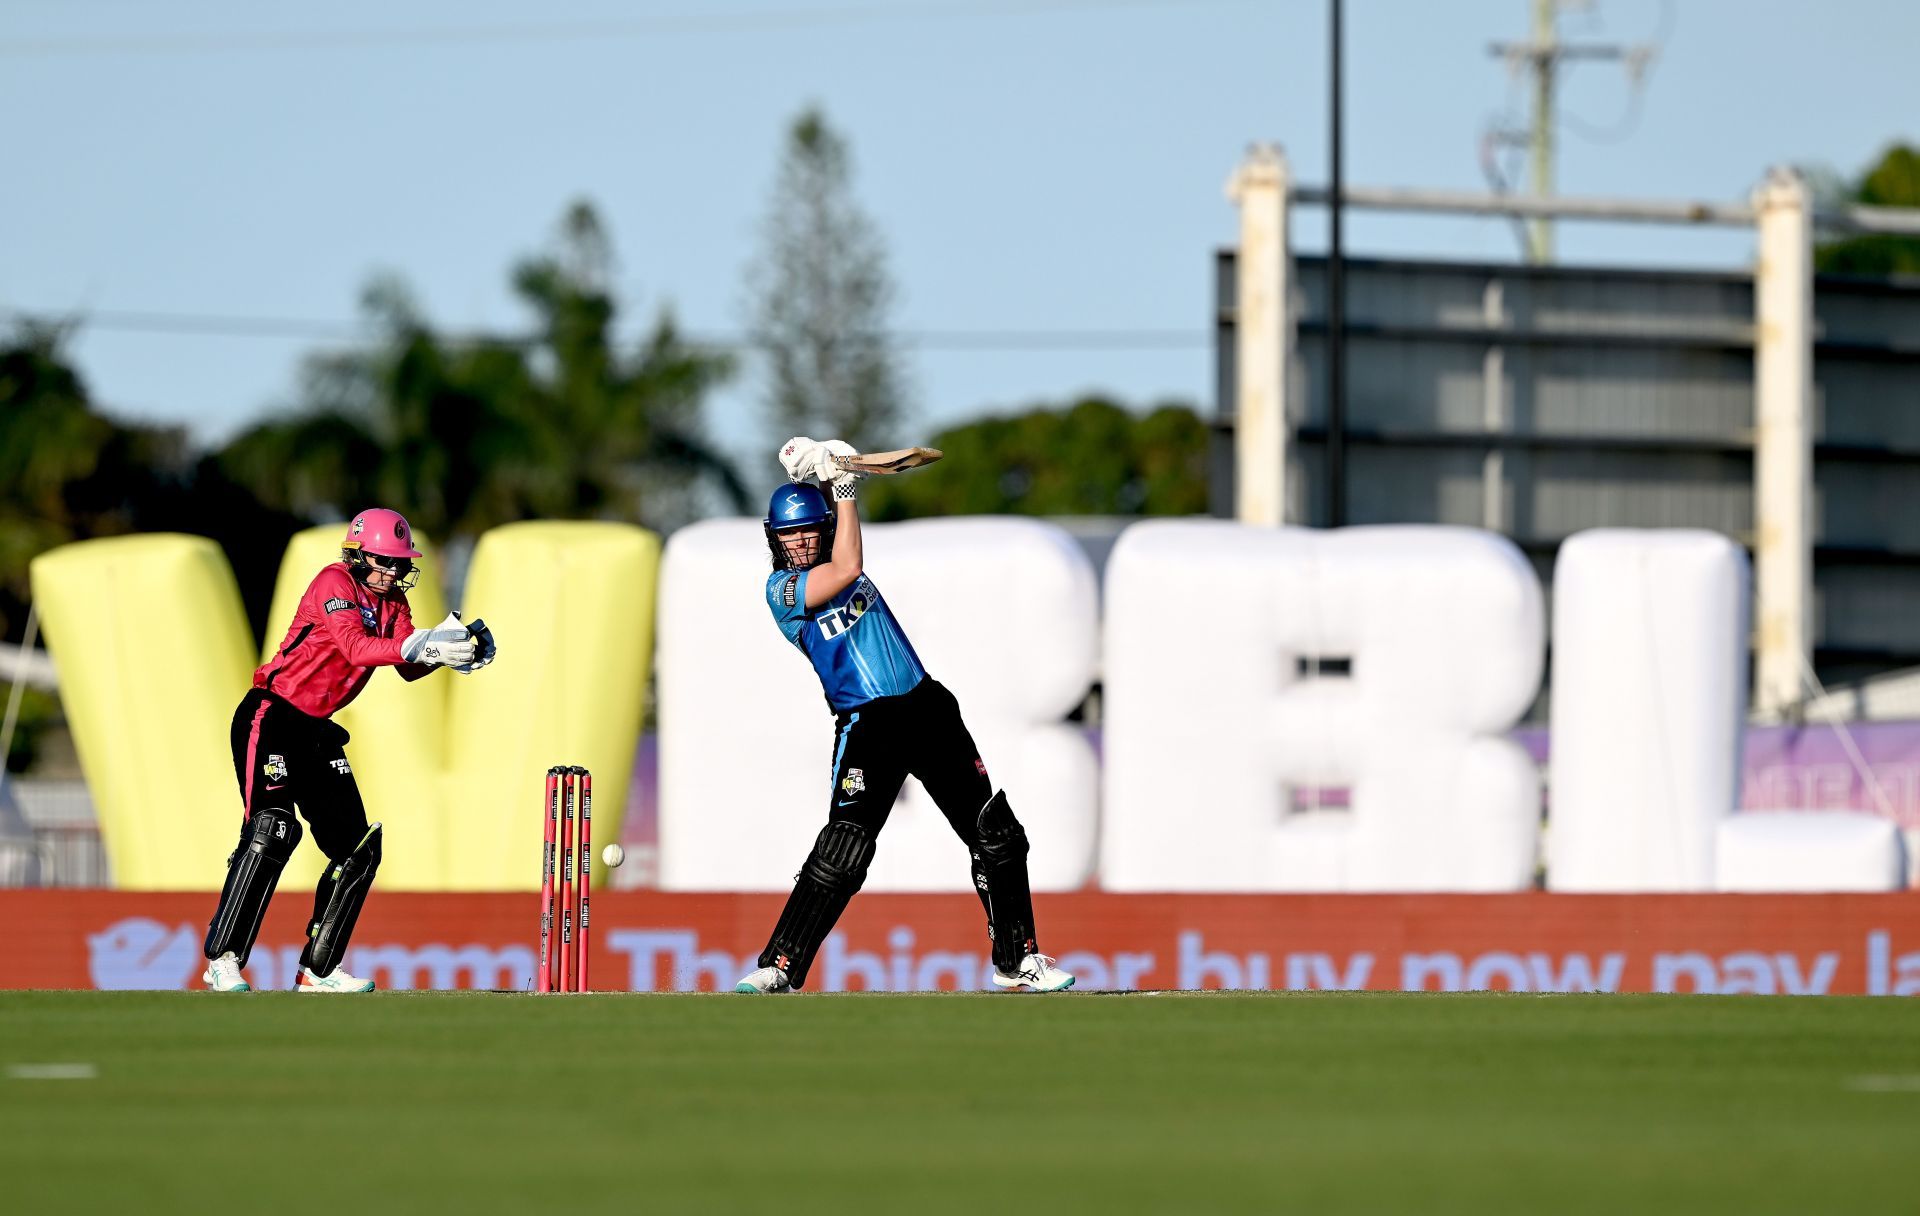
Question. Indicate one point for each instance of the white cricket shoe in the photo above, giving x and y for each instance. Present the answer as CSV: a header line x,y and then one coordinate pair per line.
x,y
1036,972
336,980
766,979
223,975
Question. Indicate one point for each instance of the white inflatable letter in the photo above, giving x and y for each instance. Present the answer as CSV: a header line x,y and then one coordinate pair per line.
x,y
1212,722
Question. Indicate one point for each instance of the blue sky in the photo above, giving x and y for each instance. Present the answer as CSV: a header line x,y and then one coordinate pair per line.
x,y
1034,168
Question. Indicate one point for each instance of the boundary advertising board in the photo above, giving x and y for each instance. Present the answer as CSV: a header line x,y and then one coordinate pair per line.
x,y
654,942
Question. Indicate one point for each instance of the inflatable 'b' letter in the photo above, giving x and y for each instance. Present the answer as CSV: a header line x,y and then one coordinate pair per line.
x,y
1219,735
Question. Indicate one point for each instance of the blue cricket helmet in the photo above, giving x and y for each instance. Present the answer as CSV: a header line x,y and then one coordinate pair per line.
x,y
798,505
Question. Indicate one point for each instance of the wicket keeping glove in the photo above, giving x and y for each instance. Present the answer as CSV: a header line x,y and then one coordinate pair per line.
x,y
482,645
448,644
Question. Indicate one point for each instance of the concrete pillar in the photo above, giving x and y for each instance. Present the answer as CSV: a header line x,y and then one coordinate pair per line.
x,y
1263,337
1783,441
1494,412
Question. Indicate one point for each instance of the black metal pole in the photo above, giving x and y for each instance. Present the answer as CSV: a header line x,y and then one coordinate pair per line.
x,y
1336,308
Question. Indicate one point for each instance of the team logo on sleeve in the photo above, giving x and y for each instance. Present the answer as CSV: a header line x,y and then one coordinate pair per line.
x,y
336,604
275,768
855,782
791,591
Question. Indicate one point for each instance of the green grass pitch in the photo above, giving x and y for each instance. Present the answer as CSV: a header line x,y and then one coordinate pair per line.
x,y
188,1102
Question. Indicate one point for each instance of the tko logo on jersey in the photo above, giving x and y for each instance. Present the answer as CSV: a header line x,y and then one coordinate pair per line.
x,y
839,620
342,767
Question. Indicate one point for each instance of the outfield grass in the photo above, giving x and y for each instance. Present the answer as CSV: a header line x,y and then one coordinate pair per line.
x,y
1082,1102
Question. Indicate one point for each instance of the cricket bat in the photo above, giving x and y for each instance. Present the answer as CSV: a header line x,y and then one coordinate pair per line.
x,y
895,461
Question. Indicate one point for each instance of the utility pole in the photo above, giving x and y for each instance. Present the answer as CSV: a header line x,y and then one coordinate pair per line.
x,y
1540,147
1543,56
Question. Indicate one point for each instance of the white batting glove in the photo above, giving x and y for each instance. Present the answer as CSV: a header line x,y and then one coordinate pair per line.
x,y
829,473
798,457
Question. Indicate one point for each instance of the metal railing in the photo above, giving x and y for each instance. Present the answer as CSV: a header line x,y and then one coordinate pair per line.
x,y
48,835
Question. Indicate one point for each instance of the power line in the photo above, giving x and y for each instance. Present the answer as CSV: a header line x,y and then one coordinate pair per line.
x,y
1544,56
1639,62
665,25
188,323
353,333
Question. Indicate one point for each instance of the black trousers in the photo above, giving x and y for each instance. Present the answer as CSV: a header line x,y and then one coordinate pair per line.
x,y
876,748
287,759
919,733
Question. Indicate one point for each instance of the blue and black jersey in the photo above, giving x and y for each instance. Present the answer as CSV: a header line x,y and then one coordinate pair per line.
x,y
856,647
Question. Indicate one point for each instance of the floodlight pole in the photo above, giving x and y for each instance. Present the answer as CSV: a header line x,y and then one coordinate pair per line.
x,y
1336,452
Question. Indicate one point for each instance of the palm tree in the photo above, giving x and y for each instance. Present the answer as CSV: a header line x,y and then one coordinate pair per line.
x,y
619,433
470,434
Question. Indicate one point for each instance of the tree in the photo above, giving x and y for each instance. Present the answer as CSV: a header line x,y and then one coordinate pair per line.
x,y
820,294
1091,458
1893,181
50,439
614,434
465,435
68,471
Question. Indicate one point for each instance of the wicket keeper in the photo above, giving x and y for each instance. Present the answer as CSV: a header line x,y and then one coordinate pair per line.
x,y
891,719
287,752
